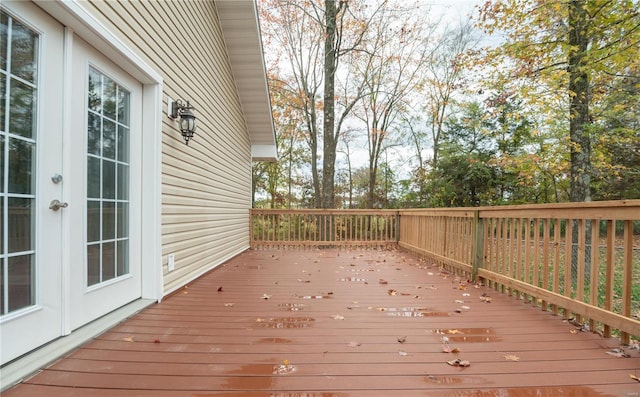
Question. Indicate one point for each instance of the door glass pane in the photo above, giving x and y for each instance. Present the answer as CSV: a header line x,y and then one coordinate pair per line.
x,y
24,47
95,91
108,260
109,97
93,134
20,224
109,139
4,33
21,167
123,144
108,179
22,110
108,220
1,164
122,262
121,220
21,275
93,221
108,154
93,177
18,113
3,99
93,264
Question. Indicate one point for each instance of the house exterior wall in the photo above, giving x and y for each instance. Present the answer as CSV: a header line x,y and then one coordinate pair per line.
x,y
206,185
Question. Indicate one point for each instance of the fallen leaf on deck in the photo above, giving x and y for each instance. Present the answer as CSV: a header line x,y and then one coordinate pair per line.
x,y
511,357
383,281
354,344
450,349
402,353
229,304
260,320
485,299
337,317
219,289
459,363
156,341
458,301
392,292
465,308
454,332
283,369
266,296
574,331
466,294
402,339
619,353
128,339
632,376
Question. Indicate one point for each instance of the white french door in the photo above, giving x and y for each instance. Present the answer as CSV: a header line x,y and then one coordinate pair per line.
x,y
70,181
30,159
104,141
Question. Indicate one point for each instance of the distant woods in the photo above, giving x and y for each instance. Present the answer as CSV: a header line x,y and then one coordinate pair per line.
x,y
385,104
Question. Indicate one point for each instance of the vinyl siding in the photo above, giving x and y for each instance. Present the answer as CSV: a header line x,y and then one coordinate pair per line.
x,y
206,186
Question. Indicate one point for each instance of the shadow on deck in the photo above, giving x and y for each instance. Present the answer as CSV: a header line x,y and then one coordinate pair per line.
x,y
320,323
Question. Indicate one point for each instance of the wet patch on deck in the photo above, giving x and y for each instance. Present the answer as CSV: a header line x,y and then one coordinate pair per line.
x,y
286,322
411,312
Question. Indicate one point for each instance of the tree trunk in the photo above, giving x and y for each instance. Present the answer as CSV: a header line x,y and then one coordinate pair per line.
x,y
579,111
330,140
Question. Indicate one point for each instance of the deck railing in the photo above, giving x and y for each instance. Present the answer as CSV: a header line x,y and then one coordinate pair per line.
x,y
578,259
324,227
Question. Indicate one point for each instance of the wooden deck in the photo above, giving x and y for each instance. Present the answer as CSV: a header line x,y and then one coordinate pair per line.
x,y
339,323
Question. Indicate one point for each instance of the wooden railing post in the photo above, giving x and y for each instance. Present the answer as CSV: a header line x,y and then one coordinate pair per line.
x,y
251,237
478,244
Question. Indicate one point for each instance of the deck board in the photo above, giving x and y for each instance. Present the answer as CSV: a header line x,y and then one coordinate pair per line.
x,y
329,316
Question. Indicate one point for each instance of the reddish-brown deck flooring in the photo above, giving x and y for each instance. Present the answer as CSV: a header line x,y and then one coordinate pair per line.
x,y
329,323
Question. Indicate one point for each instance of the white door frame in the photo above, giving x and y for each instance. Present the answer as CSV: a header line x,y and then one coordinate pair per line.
x,y
73,15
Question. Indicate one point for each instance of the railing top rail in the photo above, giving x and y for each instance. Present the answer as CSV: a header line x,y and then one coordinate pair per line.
x,y
618,209
588,205
465,212
623,210
323,211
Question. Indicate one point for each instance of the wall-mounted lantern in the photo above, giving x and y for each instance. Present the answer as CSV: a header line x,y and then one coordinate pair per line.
x,y
187,118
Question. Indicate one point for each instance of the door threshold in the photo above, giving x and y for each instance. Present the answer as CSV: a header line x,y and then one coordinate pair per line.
x,y
29,364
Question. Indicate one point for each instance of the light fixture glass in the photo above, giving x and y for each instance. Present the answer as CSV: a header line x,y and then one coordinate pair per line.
x,y
187,118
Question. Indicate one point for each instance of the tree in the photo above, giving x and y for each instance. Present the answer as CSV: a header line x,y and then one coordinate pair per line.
x,y
444,77
617,140
293,52
465,174
394,54
567,47
313,37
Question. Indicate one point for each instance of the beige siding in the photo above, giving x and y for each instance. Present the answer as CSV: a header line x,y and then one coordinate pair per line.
x,y
206,186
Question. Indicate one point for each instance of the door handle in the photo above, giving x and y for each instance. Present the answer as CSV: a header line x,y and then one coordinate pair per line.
x,y
55,205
